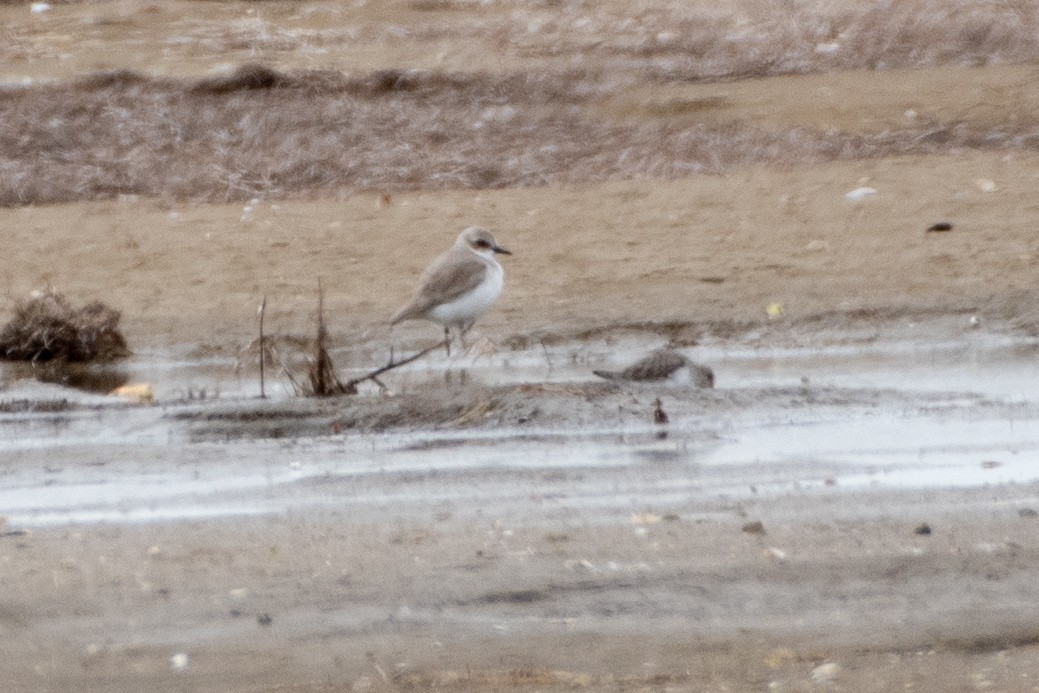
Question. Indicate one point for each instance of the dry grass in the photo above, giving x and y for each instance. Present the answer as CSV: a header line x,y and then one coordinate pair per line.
x,y
758,38
261,132
321,372
693,40
48,328
264,133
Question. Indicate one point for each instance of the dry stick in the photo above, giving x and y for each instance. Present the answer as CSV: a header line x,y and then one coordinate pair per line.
x,y
296,387
263,349
351,385
323,379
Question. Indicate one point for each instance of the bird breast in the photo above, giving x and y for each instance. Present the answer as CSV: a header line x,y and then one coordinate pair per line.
x,y
471,305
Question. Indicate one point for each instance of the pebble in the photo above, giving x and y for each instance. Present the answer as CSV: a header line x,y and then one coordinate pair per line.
x,y
859,194
825,673
755,527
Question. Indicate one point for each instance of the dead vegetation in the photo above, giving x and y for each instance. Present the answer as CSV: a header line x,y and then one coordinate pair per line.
x,y
263,132
321,370
696,39
321,379
762,38
259,133
47,327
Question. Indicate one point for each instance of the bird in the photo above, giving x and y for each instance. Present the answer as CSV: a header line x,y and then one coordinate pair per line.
x,y
458,286
667,366
659,415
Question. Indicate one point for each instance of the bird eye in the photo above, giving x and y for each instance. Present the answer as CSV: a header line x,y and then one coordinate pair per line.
x,y
483,244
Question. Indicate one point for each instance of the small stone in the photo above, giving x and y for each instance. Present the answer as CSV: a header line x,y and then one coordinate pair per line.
x,y
646,518
859,194
923,529
659,415
1027,513
825,673
179,662
755,527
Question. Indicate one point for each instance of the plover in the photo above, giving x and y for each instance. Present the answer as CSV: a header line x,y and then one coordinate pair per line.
x,y
664,366
460,285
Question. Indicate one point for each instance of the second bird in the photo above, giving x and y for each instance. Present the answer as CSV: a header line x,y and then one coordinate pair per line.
x,y
460,285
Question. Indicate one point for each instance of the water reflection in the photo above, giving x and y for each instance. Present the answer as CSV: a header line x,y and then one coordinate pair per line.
x,y
98,378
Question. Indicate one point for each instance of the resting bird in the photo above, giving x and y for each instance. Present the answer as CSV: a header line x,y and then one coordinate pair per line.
x,y
460,285
665,366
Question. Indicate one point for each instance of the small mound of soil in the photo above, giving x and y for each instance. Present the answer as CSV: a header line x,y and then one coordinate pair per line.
x,y
249,77
47,327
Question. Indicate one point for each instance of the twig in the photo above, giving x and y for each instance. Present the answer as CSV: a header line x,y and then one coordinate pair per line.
x,y
263,350
297,389
351,385
323,379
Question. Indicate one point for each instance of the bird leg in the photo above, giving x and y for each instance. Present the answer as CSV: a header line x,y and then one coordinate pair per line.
x,y
463,331
447,340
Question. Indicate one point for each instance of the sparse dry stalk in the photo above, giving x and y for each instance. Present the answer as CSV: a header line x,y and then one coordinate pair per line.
x,y
323,380
263,350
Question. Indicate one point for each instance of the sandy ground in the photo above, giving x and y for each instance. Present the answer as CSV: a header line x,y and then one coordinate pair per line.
x,y
699,251
840,593
338,603
356,603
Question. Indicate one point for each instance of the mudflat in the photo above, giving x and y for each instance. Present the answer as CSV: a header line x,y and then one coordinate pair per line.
x,y
503,521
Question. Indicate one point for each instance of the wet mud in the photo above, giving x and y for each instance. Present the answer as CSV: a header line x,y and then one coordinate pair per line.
x,y
471,532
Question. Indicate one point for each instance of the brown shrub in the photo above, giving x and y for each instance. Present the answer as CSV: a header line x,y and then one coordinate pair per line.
x,y
47,327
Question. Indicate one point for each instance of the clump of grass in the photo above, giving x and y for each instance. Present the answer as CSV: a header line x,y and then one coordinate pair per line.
x,y
321,370
47,327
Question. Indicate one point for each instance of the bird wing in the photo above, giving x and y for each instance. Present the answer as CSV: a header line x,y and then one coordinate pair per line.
x,y
448,278
656,366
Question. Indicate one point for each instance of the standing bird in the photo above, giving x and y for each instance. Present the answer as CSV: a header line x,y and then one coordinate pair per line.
x,y
459,286
664,366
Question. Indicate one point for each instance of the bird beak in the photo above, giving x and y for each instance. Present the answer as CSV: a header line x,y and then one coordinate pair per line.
x,y
499,249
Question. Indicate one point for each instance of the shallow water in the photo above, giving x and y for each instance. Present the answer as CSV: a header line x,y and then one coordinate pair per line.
x,y
121,463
